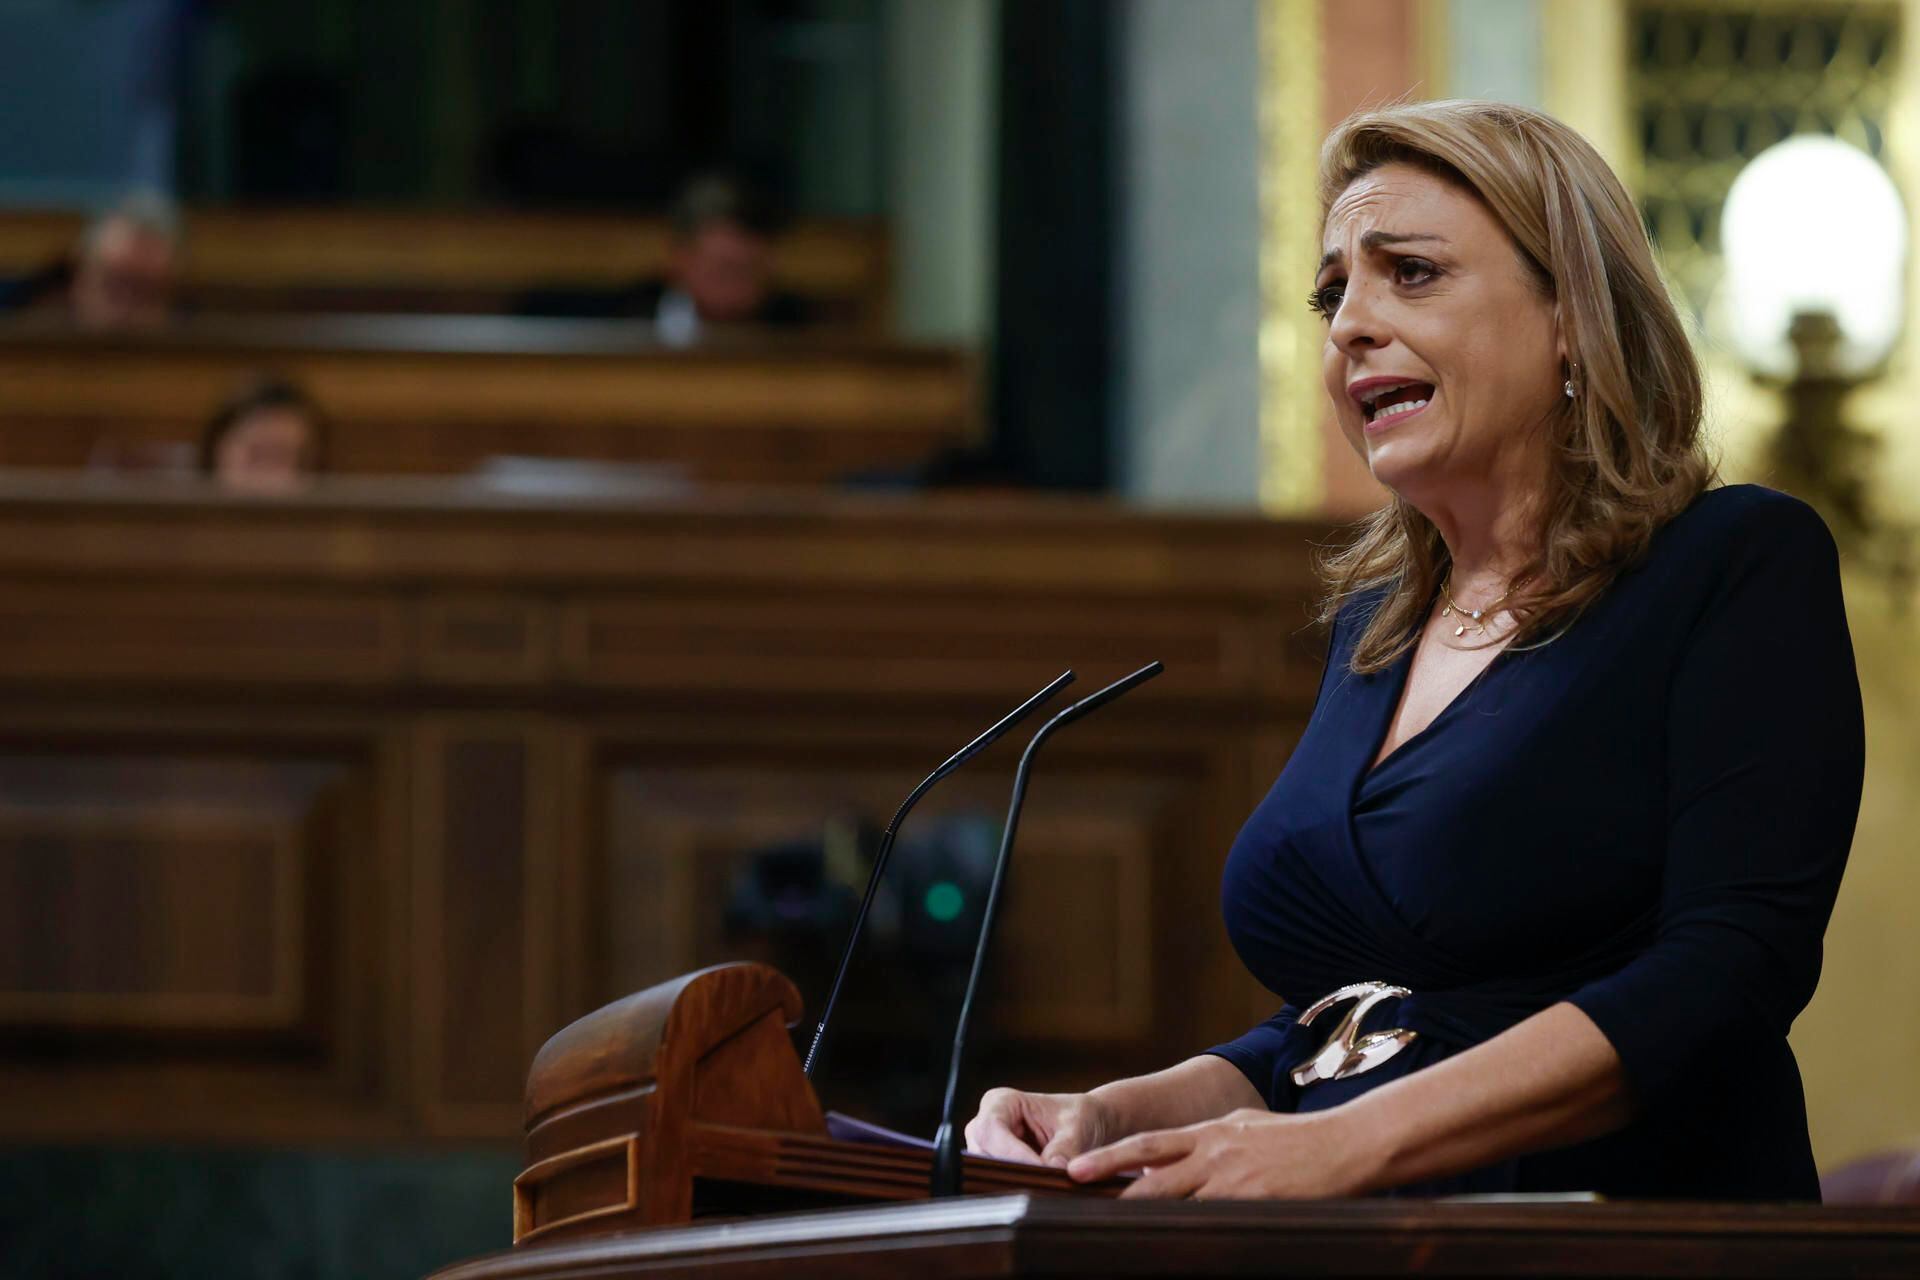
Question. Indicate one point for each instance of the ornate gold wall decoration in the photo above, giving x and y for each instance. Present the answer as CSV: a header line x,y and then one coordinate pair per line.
x,y
1583,46
1680,94
1433,48
1292,456
1711,86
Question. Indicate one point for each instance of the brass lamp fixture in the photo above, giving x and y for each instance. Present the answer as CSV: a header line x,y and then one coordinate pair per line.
x,y
1815,236
1817,453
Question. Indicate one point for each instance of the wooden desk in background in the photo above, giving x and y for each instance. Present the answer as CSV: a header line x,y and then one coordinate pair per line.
x,y
394,260
317,817
410,394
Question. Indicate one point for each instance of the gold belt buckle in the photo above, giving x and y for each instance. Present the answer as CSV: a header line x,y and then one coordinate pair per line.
x,y
1347,1052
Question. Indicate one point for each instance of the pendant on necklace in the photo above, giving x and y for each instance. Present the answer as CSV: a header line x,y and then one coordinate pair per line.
x,y
1460,630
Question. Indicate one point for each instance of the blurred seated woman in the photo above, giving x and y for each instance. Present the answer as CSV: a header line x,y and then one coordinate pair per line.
x,y
1544,883
269,437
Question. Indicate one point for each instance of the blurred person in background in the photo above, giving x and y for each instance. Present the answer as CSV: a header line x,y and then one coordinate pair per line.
x,y
126,266
719,272
120,274
268,437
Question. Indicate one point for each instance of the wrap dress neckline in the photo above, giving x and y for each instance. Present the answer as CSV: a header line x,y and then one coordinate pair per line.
x,y
1388,688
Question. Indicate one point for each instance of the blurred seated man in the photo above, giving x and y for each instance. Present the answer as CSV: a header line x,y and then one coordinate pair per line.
x,y
269,437
719,272
124,270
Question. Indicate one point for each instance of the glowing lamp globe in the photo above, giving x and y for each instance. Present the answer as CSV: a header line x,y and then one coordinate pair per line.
x,y
1814,225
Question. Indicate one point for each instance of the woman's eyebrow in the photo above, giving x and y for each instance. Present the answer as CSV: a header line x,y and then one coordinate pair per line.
x,y
1379,240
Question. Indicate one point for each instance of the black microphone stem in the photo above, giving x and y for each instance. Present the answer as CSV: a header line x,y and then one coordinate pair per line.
x,y
958,758
945,1180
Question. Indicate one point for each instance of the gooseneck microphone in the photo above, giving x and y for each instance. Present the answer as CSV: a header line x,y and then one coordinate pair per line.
x,y
945,1180
959,758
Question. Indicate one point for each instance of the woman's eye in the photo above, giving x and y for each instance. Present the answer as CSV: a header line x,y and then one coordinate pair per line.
x,y
1413,271
1325,300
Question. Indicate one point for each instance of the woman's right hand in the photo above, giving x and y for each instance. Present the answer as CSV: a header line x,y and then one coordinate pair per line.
x,y
1039,1128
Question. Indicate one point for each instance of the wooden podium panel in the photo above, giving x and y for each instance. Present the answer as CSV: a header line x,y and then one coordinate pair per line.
x,y
1021,1235
687,1100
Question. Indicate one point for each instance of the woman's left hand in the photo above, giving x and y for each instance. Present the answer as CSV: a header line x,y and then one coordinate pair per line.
x,y
1244,1155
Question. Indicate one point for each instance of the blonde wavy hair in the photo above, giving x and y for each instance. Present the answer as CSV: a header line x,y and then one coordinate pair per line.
x,y
1626,451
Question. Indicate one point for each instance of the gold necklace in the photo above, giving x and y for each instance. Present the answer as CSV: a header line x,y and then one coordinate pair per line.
x,y
1473,616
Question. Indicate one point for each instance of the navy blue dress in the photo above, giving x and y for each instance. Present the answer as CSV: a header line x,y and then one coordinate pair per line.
x,y
1647,817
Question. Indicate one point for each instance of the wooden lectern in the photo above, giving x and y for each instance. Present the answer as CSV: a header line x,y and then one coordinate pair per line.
x,y
687,1100
1069,1237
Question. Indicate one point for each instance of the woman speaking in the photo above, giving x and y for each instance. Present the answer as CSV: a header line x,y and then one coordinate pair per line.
x,y
1544,882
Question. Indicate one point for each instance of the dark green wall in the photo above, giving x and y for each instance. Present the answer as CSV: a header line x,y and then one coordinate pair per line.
x,y
209,1213
597,102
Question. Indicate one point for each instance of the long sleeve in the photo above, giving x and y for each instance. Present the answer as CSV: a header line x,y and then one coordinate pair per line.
x,y
1765,755
1264,1055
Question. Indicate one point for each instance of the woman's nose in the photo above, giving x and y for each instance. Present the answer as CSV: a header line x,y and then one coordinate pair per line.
x,y
1359,323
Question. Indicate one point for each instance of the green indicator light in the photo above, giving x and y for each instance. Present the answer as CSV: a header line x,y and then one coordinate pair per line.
x,y
944,901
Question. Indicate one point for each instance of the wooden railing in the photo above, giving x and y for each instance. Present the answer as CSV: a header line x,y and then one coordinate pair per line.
x,y
314,259
441,394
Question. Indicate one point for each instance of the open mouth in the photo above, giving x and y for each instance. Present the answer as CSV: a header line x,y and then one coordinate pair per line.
x,y
1389,403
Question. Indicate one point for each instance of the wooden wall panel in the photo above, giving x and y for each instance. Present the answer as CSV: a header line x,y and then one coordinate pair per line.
x,y
1086,939
484,941
150,921
328,811
1076,957
698,640
193,936
129,630
489,639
